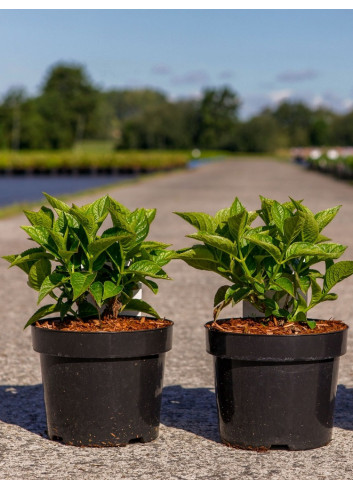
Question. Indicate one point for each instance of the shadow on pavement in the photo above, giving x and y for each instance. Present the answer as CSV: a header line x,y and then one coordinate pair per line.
x,y
344,408
23,405
191,409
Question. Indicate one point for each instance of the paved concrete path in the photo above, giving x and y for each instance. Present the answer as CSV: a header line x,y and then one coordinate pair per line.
x,y
188,446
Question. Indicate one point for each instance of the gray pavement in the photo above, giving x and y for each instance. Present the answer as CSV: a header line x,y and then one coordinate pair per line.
x,y
188,446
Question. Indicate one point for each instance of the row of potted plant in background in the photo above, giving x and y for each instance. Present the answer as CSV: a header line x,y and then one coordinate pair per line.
x,y
102,371
333,162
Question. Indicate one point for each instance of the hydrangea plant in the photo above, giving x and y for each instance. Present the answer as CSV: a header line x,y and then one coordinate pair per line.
x,y
272,265
85,273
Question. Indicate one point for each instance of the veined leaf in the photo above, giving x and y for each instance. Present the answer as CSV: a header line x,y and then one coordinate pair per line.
x,y
237,225
96,289
42,312
150,284
81,282
141,306
222,216
146,267
56,203
39,234
215,241
161,257
264,242
200,220
316,292
279,215
300,249
293,226
151,245
99,208
39,270
111,290
87,221
220,295
286,285
150,214
44,217
100,245
336,273
50,283
323,218
139,223
236,207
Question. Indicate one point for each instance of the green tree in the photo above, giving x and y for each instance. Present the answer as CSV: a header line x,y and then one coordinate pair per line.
x,y
217,117
68,104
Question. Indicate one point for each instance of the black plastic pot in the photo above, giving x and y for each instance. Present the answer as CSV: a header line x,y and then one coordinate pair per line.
x,y
102,388
276,391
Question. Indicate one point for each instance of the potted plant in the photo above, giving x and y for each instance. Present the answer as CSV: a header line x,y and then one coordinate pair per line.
x,y
102,371
276,374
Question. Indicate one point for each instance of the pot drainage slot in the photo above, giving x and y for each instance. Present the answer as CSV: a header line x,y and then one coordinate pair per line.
x,y
279,447
136,440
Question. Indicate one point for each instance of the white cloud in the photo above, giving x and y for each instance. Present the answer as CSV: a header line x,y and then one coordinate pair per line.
x,y
278,96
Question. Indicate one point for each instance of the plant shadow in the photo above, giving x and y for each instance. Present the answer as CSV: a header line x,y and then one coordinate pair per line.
x,y
23,405
191,409
344,408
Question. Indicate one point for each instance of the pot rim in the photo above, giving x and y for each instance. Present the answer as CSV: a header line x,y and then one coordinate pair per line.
x,y
299,335
170,323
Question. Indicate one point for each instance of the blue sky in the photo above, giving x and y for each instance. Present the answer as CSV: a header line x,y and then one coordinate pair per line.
x,y
264,55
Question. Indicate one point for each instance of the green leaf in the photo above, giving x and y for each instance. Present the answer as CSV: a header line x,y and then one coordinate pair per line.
x,y
215,241
336,273
286,285
311,324
150,284
38,234
200,220
39,270
42,312
162,257
293,226
310,231
151,245
141,306
237,225
139,223
50,283
43,218
316,292
222,216
85,309
81,282
236,293
299,249
146,267
236,207
266,243
87,221
220,295
99,208
101,244
111,290
150,214
30,255
323,218
56,203
96,289
279,214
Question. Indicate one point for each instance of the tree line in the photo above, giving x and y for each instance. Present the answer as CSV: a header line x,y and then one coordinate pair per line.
x,y
70,108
